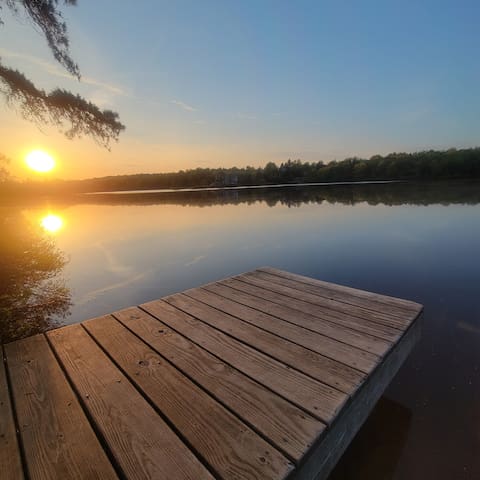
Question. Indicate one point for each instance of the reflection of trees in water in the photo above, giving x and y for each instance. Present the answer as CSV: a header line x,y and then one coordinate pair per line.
x,y
374,194
33,294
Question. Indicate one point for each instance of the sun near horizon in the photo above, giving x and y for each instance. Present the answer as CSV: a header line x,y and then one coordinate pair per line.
x,y
40,161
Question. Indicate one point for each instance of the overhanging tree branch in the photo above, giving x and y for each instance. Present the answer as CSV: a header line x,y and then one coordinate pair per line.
x,y
59,107
45,15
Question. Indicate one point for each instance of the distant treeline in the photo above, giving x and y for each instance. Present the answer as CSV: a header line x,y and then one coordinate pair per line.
x,y
428,165
420,166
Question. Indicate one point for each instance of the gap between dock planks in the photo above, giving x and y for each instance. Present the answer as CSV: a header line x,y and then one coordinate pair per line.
x,y
289,428
57,438
140,441
297,318
230,447
350,295
265,375
331,348
322,368
315,397
10,457
363,325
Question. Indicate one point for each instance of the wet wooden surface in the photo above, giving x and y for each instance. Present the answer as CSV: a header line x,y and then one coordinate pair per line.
x,y
265,375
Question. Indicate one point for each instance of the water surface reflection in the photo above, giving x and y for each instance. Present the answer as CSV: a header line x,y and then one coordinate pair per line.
x,y
378,446
413,241
33,294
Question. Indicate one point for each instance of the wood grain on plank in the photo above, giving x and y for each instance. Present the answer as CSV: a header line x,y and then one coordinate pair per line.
x,y
139,439
335,331
342,297
328,347
324,369
230,447
10,460
359,324
57,438
258,279
325,454
315,397
402,304
286,426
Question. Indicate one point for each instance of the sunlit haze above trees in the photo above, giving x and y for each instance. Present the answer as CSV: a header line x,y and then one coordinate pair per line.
x,y
223,84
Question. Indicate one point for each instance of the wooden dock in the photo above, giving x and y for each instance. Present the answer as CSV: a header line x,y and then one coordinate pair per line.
x,y
265,375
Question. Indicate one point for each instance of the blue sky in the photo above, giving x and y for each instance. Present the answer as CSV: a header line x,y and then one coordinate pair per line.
x,y
221,83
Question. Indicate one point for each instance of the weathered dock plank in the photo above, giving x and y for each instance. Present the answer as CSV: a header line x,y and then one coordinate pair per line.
x,y
141,442
350,295
289,428
344,334
323,456
322,368
265,375
10,459
330,348
329,306
356,323
231,448
57,438
320,400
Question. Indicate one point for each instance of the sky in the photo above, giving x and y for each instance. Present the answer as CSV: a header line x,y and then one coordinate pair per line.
x,y
235,83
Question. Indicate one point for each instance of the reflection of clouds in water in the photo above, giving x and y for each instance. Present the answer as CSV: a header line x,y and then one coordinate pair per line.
x,y
195,260
95,293
469,327
114,265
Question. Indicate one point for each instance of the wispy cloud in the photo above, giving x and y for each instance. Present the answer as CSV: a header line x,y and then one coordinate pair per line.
x,y
53,69
184,106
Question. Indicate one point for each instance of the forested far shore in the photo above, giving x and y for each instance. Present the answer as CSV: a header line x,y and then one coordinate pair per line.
x,y
425,165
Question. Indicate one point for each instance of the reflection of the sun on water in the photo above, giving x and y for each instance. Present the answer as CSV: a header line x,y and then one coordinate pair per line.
x,y
51,223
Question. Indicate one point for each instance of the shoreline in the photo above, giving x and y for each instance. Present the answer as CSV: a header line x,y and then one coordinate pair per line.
x,y
241,187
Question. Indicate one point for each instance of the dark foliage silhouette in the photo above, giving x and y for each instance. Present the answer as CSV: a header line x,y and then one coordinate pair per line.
x,y
4,173
423,166
33,295
69,112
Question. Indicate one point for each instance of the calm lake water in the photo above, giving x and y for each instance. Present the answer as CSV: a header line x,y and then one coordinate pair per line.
x,y
420,242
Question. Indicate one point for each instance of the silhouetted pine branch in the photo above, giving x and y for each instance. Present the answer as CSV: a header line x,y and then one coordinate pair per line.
x,y
59,107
